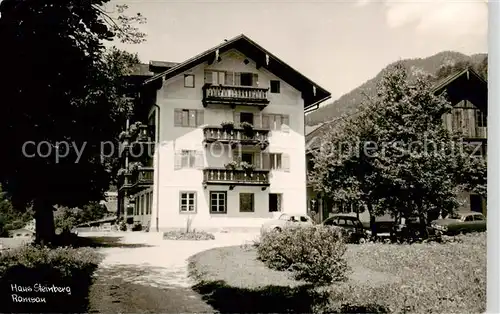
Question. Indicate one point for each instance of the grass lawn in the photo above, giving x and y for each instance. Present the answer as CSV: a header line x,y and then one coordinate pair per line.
x,y
384,278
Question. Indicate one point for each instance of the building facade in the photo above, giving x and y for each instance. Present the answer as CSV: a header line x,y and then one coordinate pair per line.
x,y
230,145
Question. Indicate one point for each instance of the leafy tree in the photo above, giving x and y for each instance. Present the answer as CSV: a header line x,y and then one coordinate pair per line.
x,y
63,96
400,158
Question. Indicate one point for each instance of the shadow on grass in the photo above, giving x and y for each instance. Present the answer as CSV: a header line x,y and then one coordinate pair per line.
x,y
97,242
269,299
276,299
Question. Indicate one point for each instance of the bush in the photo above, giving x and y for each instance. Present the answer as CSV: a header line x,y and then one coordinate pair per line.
x,y
193,236
31,266
137,227
314,254
123,226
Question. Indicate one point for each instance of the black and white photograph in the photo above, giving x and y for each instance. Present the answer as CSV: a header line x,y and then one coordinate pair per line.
x,y
248,156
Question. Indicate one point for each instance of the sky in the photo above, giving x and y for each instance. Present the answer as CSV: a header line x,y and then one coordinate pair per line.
x,y
337,44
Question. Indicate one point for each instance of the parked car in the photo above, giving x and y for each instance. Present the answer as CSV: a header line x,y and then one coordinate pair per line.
x,y
286,220
461,222
352,226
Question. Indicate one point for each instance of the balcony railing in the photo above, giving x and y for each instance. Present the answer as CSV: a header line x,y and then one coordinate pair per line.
x,y
234,95
218,134
233,177
139,180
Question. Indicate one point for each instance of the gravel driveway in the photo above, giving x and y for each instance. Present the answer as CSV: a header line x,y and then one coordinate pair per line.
x,y
153,277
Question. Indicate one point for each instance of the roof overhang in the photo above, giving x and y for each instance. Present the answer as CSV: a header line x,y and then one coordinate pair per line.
x,y
312,93
466,84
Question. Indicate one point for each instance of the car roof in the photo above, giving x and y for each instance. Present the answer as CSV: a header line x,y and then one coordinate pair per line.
x,y
342,216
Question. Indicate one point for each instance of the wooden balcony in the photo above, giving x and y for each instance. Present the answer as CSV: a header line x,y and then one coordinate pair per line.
x,y
235,95
235,136
139,180
233,177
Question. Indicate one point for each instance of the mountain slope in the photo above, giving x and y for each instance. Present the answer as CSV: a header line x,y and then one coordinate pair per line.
x,y
438,65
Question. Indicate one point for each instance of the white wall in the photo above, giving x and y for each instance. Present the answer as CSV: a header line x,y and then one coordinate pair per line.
x,y
292,184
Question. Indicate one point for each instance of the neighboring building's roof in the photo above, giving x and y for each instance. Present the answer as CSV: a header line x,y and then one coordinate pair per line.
x,y
154,67
466,84
312,93
454,84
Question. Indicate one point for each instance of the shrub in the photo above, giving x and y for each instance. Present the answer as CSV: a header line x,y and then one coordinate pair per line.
x,y
183,235
314,254
123,226
137,227
30,266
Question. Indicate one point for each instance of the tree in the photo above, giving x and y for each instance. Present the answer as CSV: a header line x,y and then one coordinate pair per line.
x,y
62,99
401,160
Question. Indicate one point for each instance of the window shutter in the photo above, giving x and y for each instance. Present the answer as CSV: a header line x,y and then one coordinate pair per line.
x,y
178,160
285,162
285,123
266,161
215,78
257,120
256,160
192,118
177,117
236,155
229,78
255,79
200,117
236,119
265,122
208,77
199,163
237,79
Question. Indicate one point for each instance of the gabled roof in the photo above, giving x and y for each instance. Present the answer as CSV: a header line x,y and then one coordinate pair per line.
x,y
466,84
312,93
468,73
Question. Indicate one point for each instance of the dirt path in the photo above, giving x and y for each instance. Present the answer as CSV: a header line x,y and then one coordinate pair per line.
x,y
110,294
142,273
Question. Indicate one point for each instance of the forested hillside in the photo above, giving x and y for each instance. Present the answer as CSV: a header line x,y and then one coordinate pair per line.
x,y
437,67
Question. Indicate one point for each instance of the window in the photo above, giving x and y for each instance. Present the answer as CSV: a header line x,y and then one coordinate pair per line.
x,y
247,157
478,217
481,119
330,222
189,80
275,121
187,202
142,204
275,202
468,218
246,117
246,202
148,197
188,158
218,202
275,161
188,118
218,77
152,125
246,79
275,87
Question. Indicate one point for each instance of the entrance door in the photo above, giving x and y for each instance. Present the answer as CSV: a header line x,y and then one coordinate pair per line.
x,y
476,203
275,202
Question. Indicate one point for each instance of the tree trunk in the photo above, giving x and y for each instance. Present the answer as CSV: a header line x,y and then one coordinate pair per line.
x,y
423,225
44,216
373,224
